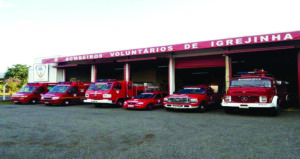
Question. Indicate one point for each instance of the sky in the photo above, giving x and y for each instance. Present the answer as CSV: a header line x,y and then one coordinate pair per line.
x,y
31,29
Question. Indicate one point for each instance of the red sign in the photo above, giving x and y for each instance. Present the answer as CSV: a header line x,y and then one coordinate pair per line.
x,y
267,38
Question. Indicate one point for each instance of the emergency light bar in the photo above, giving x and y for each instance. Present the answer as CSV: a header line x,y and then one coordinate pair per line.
x,y
106,80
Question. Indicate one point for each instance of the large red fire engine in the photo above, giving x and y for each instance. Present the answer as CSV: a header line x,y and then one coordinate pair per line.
x,y
31,93
112,91
66,93
255,90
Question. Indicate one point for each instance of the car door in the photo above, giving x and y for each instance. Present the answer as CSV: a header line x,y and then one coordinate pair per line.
x,y
158,100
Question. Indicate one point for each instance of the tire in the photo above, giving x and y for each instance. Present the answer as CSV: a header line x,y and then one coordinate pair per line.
x,y
66,102
120,103
149,107
32,101
229,110
98,105
276,110
202,107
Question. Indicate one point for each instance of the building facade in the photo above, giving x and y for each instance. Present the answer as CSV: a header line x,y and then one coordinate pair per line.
x,y
174,66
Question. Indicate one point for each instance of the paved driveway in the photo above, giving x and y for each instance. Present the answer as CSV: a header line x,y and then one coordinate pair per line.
x,y
82,131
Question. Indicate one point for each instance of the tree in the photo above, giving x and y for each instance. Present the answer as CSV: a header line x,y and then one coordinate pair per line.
x,y
18,71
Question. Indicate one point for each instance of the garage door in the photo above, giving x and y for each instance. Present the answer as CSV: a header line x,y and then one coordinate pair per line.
x,y
200,61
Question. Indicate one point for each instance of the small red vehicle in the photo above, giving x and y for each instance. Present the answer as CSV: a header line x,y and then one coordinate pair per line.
x,y
31,93
193,97
146,101
256,90
66,93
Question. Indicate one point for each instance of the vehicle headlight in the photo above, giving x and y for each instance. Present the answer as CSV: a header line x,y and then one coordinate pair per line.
x,y
227,98
42,97
106,95
87,95
194,100
263,99
54,98
166,99
140,103
23,96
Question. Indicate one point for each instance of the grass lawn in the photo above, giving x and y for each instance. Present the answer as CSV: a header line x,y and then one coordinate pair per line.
x,y
5,102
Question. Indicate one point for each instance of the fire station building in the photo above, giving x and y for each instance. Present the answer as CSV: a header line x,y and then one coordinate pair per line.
x,y
212,62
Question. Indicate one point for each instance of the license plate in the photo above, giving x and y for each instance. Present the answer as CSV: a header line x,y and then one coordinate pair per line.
x,y
16,101
244,106
130,105
177,105
46,102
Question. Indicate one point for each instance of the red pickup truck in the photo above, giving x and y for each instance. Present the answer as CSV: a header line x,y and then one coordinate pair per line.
x,y
193,97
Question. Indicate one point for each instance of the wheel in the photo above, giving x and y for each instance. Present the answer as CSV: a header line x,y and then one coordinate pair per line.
x,y
32,101
120,102
66,102
98,105
202,108
275,111
149,106
229,110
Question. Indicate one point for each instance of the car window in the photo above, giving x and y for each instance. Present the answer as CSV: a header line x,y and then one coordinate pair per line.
x,y
158,96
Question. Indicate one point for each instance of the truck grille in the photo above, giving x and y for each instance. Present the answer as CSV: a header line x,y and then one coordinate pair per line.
x,y
179,100
48,98
245,99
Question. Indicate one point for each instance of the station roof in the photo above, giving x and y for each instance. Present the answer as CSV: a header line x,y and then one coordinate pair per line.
x,y
237,41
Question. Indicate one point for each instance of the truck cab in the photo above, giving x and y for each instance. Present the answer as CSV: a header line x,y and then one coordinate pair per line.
x,y
31,93
109,91
192,97
255,90
66,93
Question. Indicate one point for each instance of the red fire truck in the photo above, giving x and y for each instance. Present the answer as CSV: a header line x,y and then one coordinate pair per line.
x,y
111,91
193,97
255,90
66,93
31,93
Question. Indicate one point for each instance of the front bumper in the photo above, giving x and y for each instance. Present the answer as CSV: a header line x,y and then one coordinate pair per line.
x,y
19,100
181,105
135,106
103,101
251,105
51,101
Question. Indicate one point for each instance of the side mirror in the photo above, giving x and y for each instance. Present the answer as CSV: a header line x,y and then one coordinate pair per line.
x,y
36,92
69,92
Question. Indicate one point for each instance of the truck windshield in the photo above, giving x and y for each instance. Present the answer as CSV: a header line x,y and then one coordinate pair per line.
x,y
146,96
27,89
251,82
100,86
59,89
192,91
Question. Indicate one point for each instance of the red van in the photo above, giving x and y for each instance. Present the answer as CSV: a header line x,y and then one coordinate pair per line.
x,y
66,93
31,93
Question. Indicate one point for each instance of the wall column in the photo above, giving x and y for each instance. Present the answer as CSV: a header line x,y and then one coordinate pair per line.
x,y
127,72
93,73
228,71
298,63
171,74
